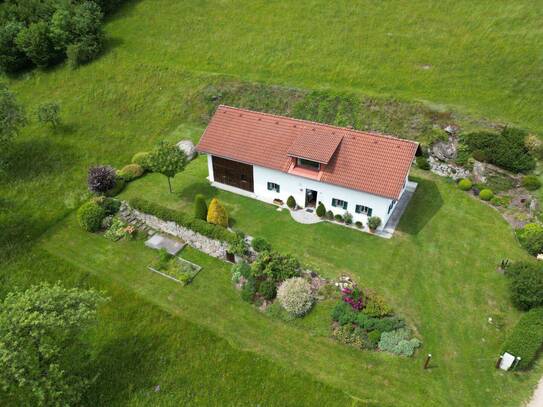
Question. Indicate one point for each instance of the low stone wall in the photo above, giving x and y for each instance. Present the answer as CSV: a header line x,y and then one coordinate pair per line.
x,y
205,244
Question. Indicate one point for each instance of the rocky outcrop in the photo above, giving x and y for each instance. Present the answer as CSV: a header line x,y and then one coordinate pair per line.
x,y
188,148
447,170
444,150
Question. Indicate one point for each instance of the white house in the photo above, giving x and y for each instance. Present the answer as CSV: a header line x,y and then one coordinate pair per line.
x,y
271,157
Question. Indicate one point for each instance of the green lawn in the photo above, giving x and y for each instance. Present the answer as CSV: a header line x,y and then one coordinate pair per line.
x,y
477,58
439,272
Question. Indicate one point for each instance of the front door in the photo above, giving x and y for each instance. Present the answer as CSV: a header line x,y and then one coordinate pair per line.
x,y
310,198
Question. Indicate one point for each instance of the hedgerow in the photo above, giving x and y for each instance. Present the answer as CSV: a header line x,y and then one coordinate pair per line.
x,y
526,338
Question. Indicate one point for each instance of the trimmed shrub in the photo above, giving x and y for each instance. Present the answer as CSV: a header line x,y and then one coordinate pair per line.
x,y
374,222
359,224
531,182
120,184
216,214
330,215
527,337
465,184
338,218
143,160
210,230
267,289
479,155
260,244
321,210
109,205
531,238
348,218
275,266
90,216
131,172
200,207
101,178
422,163
291,202
486,194
525,284
398,342
295,296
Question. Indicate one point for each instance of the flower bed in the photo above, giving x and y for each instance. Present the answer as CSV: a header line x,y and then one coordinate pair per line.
x,y
175,268
363,319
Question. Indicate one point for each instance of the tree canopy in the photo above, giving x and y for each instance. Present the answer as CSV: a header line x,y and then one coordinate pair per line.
x,y
167,160
42,351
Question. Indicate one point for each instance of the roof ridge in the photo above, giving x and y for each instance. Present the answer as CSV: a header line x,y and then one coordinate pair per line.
x,y
357,132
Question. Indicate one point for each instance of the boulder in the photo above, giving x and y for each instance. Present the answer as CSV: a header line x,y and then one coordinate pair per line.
x,y
447,170
444,150
188,148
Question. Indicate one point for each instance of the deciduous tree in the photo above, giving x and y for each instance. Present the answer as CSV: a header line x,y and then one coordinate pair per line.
x,y
168,160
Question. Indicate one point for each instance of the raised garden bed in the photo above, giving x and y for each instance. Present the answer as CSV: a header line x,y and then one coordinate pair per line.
x,y
175,268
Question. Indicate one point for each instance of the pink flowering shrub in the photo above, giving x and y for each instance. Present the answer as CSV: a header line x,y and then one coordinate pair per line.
x,y
354,297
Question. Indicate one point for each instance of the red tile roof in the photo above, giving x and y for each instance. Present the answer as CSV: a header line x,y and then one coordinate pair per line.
x,y
363,161
315,144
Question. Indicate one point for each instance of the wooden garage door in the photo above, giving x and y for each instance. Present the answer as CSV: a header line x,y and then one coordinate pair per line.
x,y
233,173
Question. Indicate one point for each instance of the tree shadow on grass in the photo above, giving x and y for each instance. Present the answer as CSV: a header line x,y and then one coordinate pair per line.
x,y
31,158
204,188
126,364
424,204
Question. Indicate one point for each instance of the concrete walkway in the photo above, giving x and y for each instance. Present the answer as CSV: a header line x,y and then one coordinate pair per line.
x,y
537,398
307,218
396,215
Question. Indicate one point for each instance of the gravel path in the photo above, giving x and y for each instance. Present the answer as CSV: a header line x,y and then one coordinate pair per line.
x,y
537,398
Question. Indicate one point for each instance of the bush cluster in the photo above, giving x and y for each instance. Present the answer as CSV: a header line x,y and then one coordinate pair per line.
x,y
344,314
44,33
527,337
275,266
374,222
525,284
295,296
531,238
422,163
506,149
90,216
531,182
181,218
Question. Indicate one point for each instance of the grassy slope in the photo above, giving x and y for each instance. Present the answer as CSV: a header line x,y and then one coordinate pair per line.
x,y
438,272
133,95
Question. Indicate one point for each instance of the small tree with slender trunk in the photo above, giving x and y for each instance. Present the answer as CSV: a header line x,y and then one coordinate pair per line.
x,y
167,160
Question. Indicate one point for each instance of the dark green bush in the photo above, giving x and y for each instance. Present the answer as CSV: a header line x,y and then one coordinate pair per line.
x,y
90,216
479,155
330,215
120,184
348,218
422,163
321,210
531,182
249,290
338,218
486,194
527,337
275,266
110,205
374,222
181,218
291,202
506,149
465,184
359,224
260,244
267,289
531,238
525,284
200,207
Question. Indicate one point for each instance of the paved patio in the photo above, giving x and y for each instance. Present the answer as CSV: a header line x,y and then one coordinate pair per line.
x,y
158,242
307,218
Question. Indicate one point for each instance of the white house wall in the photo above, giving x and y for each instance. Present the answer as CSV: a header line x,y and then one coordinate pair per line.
x,y
294,185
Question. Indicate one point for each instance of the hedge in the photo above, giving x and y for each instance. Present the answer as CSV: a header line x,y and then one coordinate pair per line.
x,y
526,338
182,219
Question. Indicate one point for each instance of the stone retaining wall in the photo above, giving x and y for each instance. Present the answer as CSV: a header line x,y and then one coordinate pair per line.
x,y
213,247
